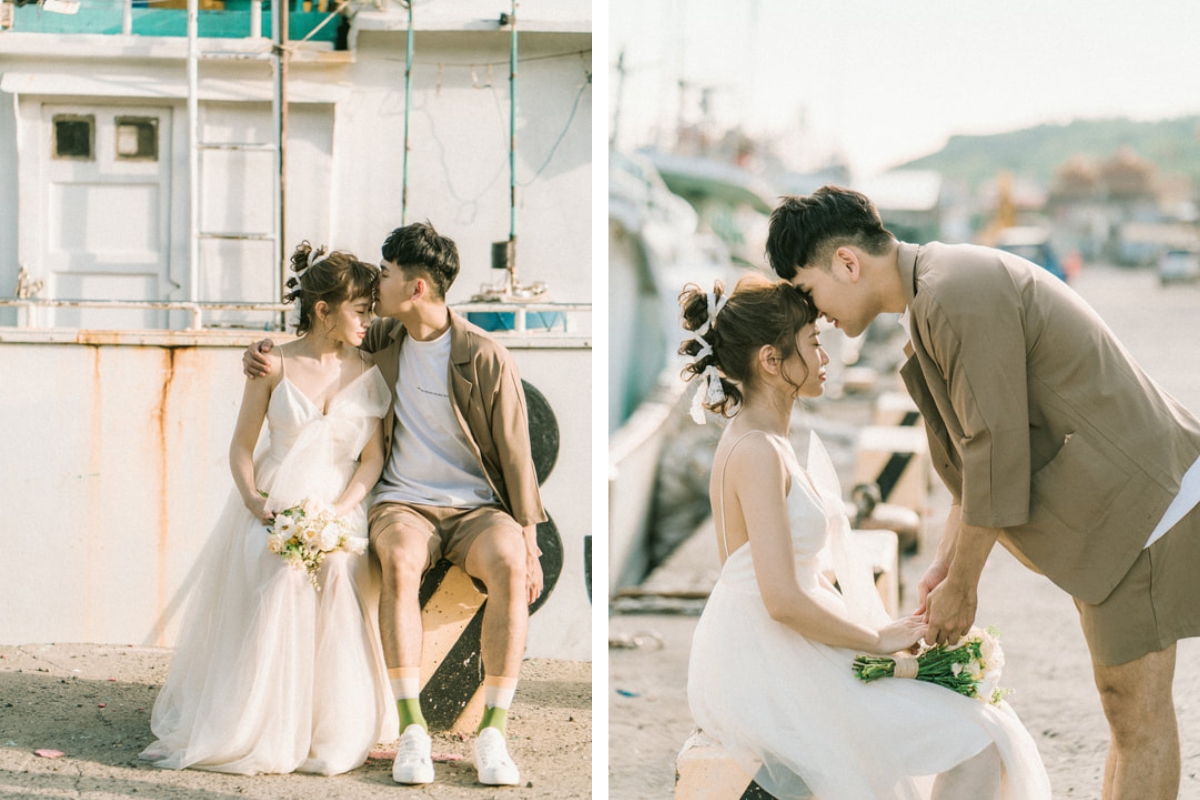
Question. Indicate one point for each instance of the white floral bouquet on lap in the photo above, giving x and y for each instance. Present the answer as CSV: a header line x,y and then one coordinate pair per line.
x,y
971,667
304,533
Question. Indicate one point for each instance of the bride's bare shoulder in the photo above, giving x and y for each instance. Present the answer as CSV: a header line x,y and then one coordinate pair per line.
x,y
749,452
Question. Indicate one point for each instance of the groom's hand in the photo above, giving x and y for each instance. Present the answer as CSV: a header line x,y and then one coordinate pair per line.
x,y
534,579
950,611
254,362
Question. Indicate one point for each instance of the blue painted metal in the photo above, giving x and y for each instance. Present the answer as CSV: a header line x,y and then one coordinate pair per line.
x,y
167,22
506,320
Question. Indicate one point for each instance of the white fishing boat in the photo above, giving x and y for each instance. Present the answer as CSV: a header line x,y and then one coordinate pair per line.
x,y
654,249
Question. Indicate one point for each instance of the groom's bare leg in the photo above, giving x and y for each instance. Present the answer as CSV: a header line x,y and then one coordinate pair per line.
x,y
497,558
1143,756
404,555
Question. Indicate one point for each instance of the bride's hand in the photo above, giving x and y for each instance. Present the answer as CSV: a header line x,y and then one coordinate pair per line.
x,y
933,577
901,634
258,507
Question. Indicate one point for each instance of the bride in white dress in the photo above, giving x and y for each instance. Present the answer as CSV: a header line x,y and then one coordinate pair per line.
x,y
770,673
271,675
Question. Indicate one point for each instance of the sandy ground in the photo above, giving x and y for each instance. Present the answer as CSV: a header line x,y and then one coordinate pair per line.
x,y
93,702
1047,666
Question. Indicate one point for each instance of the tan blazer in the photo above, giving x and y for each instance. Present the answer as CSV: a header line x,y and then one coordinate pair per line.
x,y
488,401
1038,419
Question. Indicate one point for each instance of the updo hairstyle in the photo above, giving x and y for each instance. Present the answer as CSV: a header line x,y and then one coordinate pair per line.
x,y
334,277
758,312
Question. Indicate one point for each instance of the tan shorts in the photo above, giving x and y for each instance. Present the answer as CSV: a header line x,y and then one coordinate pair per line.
x,y
1156,604
449,532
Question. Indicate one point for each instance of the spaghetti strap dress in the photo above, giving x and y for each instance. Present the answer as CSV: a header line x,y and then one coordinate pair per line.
x,y
271,675
790,710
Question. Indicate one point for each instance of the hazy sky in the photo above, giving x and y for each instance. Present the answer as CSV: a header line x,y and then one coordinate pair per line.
x,y
883,81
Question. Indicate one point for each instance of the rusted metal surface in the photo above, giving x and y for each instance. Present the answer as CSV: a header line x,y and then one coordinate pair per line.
x,y
116,467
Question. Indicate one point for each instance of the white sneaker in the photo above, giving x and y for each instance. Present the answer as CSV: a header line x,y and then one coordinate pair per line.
x,y
414,761
492,761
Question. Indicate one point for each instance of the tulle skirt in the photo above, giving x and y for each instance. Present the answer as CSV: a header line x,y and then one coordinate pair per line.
x,y
791,712
271,676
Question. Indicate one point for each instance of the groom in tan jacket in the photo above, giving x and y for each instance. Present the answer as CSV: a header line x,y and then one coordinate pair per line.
x,y
1051,440
459,483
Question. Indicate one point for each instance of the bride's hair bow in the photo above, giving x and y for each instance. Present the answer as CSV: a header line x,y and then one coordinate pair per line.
x,y
301,264
317,255
710,388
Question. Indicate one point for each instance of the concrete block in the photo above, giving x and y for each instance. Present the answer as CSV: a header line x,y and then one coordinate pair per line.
x,y
896,408
704,771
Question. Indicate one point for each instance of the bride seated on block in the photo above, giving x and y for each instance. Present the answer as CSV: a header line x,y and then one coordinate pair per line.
x,y
770,676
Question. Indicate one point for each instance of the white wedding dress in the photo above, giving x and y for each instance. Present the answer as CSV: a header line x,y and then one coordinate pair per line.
x,y
791,711
269,674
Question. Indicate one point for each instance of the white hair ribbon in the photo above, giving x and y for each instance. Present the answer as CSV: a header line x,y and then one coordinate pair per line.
x,y
314,259
710,388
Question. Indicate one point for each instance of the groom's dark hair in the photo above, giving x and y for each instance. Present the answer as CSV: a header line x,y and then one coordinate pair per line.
x,y
804,231
421,248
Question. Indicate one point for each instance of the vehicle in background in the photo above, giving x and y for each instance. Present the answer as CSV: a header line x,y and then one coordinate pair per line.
x,y
1031,244
1178,266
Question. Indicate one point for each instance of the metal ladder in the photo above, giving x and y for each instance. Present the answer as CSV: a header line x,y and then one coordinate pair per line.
x,y
278,60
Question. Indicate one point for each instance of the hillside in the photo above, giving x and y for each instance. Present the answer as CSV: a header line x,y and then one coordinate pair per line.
x,y
1172,145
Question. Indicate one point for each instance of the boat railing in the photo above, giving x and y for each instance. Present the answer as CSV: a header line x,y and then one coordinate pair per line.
x,y
563,320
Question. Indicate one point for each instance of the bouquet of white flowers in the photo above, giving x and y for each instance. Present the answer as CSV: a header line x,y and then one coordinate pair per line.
x,y
304,533
970,667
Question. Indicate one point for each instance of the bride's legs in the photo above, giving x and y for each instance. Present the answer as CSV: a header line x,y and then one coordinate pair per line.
x,y
977,778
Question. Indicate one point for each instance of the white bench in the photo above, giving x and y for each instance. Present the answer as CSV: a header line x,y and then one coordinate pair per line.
x,y
896,458
895,408
881,551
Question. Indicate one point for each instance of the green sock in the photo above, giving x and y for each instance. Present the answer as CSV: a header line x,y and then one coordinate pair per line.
x,y
494,717
409,709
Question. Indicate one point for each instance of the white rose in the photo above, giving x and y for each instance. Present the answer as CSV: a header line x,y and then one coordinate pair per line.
x,y
356,545
988,686
989,648
274,542
329,536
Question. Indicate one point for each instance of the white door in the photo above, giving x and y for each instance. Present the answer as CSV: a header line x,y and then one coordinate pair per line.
x,y
107,206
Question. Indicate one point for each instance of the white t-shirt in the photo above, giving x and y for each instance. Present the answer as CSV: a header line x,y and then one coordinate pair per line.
x,y
1189,487
432,462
